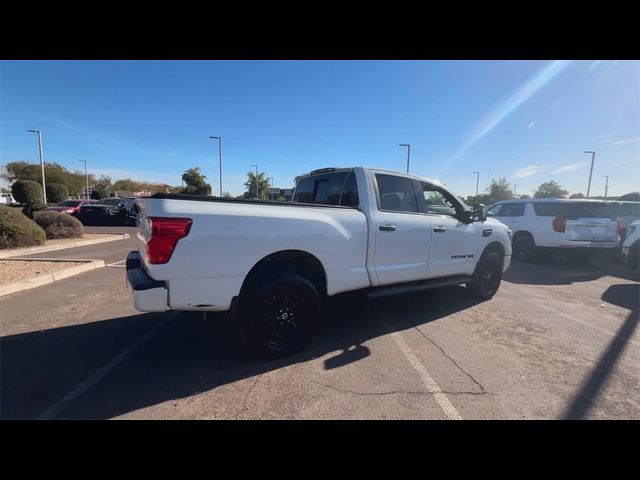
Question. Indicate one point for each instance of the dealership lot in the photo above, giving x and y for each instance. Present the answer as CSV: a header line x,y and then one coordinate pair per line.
x,y
559,340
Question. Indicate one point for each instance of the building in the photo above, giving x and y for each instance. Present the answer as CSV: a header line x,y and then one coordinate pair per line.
x,y
274,193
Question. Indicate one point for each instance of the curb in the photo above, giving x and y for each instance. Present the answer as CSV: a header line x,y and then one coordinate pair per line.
x,y
82,243
46,278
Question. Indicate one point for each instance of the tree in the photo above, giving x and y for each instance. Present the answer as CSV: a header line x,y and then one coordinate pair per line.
x,y
128,185
525,196
195,182
98,194
28,192
263,186
227,195
631,197
57,192
576,195
103,183
54,173
550,189
498,190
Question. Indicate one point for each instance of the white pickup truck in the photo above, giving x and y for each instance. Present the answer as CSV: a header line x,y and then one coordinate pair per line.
x,y
272,264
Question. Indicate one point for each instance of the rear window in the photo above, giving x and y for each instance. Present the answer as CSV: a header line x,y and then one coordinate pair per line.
x,y
573,211
587,210
338,188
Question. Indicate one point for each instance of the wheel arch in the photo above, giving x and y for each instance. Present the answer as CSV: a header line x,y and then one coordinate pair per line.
x,y
298,262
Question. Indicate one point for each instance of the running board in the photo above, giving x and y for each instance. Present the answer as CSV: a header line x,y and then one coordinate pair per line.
x,y
417,286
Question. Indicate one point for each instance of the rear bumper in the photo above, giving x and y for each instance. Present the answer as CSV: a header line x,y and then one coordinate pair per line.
x,y
149,295
587,244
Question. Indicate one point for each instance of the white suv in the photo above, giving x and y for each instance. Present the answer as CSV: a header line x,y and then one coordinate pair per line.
x,y
631,246
7,199
557,223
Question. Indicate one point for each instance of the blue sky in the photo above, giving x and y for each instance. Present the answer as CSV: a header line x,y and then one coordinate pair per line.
x,y
529,121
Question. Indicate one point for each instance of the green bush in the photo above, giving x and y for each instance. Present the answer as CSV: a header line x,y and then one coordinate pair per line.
x,y
57,192
59,225
98,194
29,192
16,230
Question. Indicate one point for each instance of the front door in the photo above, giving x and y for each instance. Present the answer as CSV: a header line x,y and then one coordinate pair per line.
x,y
402,233
454,243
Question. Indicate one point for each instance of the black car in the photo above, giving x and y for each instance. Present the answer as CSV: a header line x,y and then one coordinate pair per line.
x,y
109,211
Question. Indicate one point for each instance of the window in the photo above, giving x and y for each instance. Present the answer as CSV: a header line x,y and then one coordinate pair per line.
x,y
512,210
589,210
396,194
350,192
339,188
435,202
494,211
548,209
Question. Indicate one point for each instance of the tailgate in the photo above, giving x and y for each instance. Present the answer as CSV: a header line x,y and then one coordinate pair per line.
x,y
592,222
592,229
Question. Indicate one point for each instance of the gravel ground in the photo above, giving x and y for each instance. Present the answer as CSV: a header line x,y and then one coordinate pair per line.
x,y
14,270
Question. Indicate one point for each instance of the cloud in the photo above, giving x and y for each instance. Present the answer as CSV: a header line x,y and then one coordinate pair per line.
x,y
531,124
528,171
570,168
625,141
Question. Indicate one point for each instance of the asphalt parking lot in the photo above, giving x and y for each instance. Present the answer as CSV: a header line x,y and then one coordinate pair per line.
x,y
559,340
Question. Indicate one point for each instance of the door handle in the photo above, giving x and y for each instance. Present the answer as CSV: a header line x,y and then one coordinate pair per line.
x,y
439,229
387,228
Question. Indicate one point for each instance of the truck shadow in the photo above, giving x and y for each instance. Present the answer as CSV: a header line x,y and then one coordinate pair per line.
x,y
188,356
559,269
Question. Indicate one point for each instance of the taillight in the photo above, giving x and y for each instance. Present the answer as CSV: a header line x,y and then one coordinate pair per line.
x,y
165,233
559,224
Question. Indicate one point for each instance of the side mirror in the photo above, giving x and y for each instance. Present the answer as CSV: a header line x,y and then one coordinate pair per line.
x,y
479,212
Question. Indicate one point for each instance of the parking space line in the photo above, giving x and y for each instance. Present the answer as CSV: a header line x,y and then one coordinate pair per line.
x,y
82,387
433,388
118,264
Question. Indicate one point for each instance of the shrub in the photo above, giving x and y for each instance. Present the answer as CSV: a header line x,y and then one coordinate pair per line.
x,y
59,225
29,192
98,194
16,230
57,192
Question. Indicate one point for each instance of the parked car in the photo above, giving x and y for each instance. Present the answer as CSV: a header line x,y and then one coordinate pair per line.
x,y
109,211
70,206
631,246
272,264
7,199
551,223
627,212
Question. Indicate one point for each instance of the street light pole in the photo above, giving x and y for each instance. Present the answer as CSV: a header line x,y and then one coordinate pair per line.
x,y
257,187
86,178
593,156
408,153
272,188
515,186
606,186
477,183
44,187
220,159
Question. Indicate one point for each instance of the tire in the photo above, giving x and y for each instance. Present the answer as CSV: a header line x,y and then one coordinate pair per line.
x,y
281,317
524,248
487,276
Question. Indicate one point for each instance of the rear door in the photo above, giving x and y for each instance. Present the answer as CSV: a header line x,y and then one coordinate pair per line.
x,y
593,222
402,233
